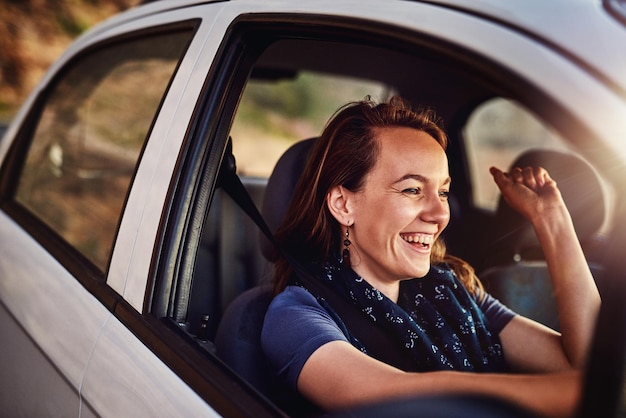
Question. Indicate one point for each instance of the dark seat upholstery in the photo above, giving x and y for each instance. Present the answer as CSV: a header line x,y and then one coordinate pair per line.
x,y
238,338
227,262
280,188
519,275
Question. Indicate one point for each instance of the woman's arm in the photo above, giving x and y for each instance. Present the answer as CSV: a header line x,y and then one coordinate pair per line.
x,y
535,195
337,375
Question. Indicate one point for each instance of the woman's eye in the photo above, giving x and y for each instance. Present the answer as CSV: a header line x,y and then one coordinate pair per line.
x,y
444,194
412,191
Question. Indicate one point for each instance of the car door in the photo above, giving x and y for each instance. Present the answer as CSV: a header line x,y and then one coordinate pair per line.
x,y
65,181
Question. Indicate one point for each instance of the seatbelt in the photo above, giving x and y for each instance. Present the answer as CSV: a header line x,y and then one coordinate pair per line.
x,y
373,335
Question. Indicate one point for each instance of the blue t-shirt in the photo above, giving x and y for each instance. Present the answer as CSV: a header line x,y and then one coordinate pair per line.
x,y
296,325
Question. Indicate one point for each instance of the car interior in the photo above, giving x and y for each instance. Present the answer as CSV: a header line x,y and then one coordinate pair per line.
x,y
231,279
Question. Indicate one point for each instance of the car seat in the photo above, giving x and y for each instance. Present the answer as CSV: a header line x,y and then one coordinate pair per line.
x,y
280,188
238,337
519,274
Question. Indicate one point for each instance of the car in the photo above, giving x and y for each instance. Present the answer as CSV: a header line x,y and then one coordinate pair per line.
x,y
121,250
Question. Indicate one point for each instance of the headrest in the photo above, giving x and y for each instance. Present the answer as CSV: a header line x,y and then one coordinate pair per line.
x,y
581,190
280,188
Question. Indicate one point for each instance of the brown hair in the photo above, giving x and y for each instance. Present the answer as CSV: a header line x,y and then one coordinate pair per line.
x,y
343,155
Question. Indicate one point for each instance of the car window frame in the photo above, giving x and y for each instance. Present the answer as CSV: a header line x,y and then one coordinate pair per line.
x,y
272,27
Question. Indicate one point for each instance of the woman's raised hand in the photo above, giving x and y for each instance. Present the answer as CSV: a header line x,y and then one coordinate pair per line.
x,y
529,190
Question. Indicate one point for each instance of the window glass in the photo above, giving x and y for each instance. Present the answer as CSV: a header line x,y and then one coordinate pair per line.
x,y
496,133
89,137
274,114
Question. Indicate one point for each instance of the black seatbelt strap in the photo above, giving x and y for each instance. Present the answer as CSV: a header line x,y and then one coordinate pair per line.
x,y
374,336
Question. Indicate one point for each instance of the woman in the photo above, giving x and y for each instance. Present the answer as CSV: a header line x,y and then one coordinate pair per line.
x,y
366,218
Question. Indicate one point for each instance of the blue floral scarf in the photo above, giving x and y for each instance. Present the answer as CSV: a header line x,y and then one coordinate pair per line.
x,y
436,319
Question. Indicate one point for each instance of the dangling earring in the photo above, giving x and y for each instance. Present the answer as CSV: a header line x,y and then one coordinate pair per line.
x,y
346,243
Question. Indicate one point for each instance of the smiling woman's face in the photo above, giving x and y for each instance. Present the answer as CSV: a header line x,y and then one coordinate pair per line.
x,y
401,209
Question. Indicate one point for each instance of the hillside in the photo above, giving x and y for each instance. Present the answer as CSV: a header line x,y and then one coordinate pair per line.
x,y
33,33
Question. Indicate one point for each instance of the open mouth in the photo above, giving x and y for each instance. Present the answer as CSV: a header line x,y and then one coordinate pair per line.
x,y
420,240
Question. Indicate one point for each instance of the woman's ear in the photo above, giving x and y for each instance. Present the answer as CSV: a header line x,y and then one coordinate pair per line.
x,y
339,202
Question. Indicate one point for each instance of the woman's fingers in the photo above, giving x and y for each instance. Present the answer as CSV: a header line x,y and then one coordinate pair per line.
x,y
529,190
517,175
498,176
529,178
532,177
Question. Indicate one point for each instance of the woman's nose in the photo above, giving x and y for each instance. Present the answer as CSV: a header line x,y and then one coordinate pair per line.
x,y
437,210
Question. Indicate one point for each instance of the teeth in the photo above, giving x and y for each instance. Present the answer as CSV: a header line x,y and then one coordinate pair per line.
x,y
418,238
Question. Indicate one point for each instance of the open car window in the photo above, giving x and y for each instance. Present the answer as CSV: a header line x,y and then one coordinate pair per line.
x,y
277,110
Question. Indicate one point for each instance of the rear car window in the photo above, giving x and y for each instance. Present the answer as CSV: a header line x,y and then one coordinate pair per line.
x,y
496,133
88,138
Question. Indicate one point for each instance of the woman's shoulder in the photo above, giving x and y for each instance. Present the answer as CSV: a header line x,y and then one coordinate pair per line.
x,y
295,326
293,296
300,306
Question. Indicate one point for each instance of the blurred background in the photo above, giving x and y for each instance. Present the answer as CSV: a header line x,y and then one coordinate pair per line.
x,y
33,33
